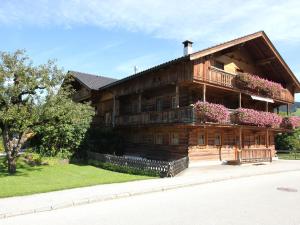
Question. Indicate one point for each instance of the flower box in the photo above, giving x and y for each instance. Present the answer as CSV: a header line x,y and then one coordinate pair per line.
x,y
257,118
209,112
259,85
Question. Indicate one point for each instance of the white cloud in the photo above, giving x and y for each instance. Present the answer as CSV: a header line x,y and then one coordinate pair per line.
x,y
213,20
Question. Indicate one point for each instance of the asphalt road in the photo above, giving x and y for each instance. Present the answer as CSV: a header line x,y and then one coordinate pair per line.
x,y
268,199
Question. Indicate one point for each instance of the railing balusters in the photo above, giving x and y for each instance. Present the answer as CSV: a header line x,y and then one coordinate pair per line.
x,y
223,78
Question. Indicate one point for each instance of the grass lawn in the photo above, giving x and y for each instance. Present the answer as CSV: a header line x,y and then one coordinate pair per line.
x,y
288,156
37,179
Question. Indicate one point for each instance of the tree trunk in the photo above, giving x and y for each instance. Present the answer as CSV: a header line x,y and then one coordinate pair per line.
x,y
12,165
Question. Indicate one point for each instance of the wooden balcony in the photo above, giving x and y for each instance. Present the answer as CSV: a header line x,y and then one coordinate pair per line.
x,y
182,115
222,78
178,115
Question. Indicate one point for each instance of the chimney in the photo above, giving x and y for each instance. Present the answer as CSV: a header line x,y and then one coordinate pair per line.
x,y
187,47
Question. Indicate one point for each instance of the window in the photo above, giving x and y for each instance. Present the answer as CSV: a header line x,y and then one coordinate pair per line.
x,y
159,139
107,118
217,139
201,139
257,140
174,139
135,138
174,102
159,104
219,65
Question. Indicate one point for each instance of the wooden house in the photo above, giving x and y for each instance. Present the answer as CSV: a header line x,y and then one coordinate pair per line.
x,y
154,112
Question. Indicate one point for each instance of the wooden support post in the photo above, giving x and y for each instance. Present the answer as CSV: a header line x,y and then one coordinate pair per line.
x,y
240,100
267,138
277,108
204,93
240,145
114,111
267,106
177,96
288,109
140,103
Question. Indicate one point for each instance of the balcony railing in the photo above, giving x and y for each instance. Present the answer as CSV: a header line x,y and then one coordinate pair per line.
x,y
183,115
222,78
178,115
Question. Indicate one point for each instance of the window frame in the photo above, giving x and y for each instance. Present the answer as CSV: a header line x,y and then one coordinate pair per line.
x,y
172,135
219,139
204,138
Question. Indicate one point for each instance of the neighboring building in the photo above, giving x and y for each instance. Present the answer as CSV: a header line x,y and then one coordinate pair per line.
x,y
152,109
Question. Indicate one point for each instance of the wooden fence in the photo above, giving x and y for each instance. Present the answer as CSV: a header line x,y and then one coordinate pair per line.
x,y
164,168
255,155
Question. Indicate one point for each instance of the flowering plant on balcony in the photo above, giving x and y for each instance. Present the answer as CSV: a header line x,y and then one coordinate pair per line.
x,y
256,83
291,122
257,118
209,112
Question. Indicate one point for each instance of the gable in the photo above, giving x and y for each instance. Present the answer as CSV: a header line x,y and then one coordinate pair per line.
x,y
263,54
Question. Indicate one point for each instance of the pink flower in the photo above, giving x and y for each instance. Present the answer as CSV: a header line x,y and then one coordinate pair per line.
x,y
257,118
211,112
291,122
261,85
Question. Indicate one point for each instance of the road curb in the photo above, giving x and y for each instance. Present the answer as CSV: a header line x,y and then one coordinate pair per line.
x,y
102,198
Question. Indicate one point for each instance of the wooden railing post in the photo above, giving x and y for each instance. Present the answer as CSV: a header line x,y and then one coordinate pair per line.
x,y
240,100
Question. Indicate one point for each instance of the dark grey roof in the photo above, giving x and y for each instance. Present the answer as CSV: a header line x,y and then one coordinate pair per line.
x,y
92,81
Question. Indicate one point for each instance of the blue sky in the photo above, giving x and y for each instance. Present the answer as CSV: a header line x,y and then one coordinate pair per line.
x,y
111,37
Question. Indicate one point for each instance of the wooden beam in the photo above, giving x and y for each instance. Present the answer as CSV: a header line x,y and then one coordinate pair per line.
x,y
240,139
240,100
177,96
140,103
267,106
265,61
267,138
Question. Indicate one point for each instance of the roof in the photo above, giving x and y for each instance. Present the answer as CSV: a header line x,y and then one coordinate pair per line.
x,y
91,81
145,71
212,50
100,83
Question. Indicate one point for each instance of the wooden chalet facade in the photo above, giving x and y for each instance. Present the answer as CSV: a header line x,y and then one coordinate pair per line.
x,y
153,108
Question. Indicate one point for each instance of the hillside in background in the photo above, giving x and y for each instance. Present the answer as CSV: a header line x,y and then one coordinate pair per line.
x,y
295,109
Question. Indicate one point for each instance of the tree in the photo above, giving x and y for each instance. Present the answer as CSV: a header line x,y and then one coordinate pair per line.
x,y
66,126
294,142
25,90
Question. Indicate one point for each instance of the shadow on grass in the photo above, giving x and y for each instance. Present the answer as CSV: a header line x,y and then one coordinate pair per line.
x,y
22,170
